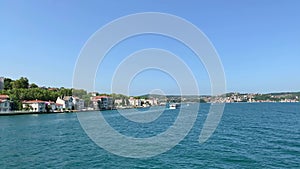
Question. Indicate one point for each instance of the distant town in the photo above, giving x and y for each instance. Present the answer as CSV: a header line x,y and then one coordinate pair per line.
x,y
21,96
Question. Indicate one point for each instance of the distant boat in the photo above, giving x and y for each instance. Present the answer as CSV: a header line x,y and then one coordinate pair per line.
x,y
174,105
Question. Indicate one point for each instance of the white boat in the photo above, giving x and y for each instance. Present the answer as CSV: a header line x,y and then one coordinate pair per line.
x,y
174,105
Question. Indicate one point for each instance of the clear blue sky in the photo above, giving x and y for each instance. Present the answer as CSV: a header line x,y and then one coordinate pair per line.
x,y
258,41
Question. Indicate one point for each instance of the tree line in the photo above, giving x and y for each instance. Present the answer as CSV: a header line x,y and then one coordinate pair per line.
x,y
20,89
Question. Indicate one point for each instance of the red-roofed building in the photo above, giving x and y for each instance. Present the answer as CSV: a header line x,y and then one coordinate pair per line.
x,y
34,105
4,96
103,102
4,103
54,107
59,107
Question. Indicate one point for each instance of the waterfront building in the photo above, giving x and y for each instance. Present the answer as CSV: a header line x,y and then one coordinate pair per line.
x,y
58,107
152,101
138,102
103,102
94,100
131,101
135,102
34,105
51,105
67,102
119,103
78,103
71,103
4,103
54,107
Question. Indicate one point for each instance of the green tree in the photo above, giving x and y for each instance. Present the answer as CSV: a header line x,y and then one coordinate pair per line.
x,y
32,85
8,83
65,92
79,93
202,101
21,83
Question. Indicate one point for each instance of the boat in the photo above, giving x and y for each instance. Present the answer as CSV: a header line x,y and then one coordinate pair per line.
x,y
174,105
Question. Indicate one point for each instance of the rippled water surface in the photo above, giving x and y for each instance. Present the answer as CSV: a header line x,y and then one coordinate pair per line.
x,y
256,135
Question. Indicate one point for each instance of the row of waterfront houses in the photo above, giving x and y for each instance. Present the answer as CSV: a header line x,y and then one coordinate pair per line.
x,y
236,97
107,103
61,104
74,103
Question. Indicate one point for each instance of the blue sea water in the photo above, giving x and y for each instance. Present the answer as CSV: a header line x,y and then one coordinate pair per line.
x,y
250,135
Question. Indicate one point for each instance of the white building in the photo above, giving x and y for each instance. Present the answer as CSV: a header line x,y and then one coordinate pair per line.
x,y
103,102
66,102
131,101
4,103
152,101
58,107
52,105
55,107
71,103
78,103
119,101
34,105
134,102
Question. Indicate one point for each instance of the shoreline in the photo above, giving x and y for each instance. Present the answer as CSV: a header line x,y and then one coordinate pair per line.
x,y
28,113
76,111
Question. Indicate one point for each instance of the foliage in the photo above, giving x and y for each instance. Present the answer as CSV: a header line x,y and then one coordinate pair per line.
x,y
32,85
79,93
266,97
19,90
202,101
118,96
64,92
8,83
21,83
